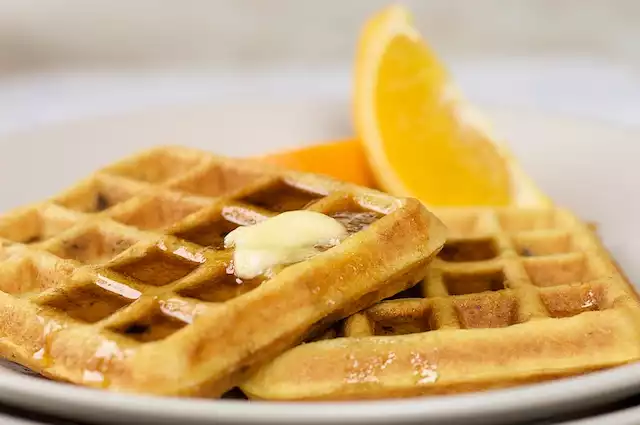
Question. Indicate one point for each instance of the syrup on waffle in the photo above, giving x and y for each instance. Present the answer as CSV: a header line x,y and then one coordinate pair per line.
x,y
515,296
122,282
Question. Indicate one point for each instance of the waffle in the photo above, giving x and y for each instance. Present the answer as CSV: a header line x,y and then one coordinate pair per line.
x,y
122,282
515,296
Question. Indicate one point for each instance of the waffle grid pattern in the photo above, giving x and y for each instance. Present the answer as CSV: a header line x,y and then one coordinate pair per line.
x,y
136,250
515,295
500,268
95,223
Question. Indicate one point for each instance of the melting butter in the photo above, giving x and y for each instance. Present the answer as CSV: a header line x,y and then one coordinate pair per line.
x,y
285,239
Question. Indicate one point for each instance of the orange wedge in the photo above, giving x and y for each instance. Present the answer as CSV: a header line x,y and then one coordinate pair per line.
x,y
421,138
344,160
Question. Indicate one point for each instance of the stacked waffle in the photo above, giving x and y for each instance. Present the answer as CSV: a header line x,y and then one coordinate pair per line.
x,y
124,282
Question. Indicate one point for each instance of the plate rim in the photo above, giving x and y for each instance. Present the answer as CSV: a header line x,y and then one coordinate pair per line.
x,y
599,387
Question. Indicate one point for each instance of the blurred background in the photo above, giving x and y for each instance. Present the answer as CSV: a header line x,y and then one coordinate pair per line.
x,y
69,59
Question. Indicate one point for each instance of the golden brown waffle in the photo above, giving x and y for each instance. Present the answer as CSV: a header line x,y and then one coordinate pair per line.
x,y
122,282
515,296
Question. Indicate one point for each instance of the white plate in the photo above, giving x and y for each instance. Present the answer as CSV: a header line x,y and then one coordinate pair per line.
x,y
629,416
587,166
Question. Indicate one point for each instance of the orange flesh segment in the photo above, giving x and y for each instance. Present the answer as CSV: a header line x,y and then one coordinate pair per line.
x,y
439,158
416,135
414,125
344,160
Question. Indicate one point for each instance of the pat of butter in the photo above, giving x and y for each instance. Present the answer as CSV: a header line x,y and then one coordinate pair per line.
x,y
281,240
